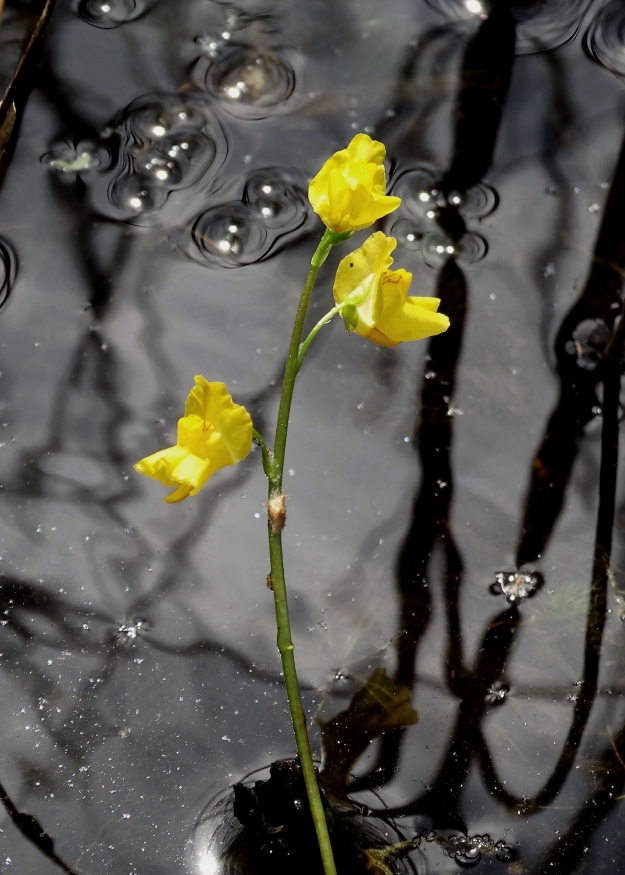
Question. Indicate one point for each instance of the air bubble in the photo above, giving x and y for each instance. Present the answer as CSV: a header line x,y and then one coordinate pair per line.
x,y
276,197
248,84
229,235
112,13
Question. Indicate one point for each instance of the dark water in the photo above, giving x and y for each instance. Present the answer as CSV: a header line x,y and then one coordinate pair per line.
x,y
154,221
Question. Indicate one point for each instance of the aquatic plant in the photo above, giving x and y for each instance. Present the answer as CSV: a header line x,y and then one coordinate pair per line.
x,y
348,193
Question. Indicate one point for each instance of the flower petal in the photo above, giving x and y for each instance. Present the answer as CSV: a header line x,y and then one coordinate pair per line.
x,y
159,465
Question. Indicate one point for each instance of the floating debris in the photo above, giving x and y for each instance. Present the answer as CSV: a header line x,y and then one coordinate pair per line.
x,y
588,343
496,694
516,585
129,631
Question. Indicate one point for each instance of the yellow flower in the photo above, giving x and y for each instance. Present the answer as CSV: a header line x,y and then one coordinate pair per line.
x,y
376,302
348,192
214,432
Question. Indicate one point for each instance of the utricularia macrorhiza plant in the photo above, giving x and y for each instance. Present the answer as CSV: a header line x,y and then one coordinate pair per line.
x,y
349,195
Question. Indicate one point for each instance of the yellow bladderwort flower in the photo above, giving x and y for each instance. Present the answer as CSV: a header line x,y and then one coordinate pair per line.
x,y
376,303
214,432
348,193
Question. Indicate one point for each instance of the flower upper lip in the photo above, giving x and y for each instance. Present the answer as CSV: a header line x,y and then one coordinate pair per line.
x,y
348,193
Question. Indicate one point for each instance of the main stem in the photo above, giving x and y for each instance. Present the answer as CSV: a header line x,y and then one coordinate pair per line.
x,y
285,644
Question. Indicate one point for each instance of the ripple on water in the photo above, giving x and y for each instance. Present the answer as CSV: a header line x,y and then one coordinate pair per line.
x,y
248,83
272,212
8,270
166,144
112,13
541,24
605,39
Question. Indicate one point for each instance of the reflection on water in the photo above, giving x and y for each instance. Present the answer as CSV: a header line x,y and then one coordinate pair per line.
x,y
138,664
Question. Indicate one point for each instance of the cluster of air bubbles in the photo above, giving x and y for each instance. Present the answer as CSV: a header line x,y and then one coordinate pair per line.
x,y
417,187
468,850
8,270
588,343
423,204
605,38
166,144
70,159
130,630
540,24
112,13
437,248
497,692
516,586
271,213
249,83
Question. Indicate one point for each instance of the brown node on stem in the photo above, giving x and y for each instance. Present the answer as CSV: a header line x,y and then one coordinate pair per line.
x,y
276,511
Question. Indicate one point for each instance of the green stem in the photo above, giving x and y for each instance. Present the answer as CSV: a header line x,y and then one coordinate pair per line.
x,y
274,472
303,347
290,370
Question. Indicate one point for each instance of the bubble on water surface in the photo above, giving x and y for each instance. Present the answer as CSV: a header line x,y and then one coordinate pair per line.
x,y
137,195
605,39
416,188
588,343
176,160
477,202
112,13
516,586
249,84
229,235
437,248
150,119
407,234
541,24
277,197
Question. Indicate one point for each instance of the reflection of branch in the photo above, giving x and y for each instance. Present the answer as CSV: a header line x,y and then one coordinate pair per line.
x,y
479,104
430,515
32,830
600,299
441,800
598,594
568,850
